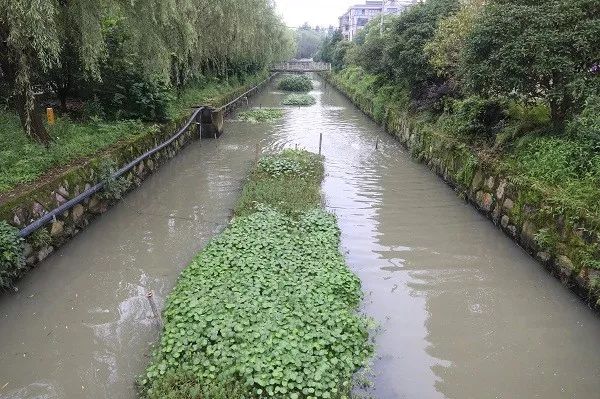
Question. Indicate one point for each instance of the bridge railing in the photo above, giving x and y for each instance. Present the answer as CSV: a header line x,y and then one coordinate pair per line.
x,y
301,66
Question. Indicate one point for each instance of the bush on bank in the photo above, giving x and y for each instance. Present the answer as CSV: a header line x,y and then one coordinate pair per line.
x,y
268,308
298,83
12,261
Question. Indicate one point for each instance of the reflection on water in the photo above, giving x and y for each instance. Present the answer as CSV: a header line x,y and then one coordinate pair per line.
x,y
462,311
38,390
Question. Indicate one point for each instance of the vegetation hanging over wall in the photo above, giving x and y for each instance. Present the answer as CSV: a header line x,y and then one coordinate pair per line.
x,y
12,261
268,308
458,68
298,83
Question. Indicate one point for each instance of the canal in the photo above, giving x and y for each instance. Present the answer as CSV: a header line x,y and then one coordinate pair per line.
x,y
462,311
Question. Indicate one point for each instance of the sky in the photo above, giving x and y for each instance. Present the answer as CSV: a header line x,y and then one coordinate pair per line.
x,y
315,12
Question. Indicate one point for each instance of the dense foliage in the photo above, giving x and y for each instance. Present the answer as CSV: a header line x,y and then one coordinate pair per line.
x,y
514,80
267,309
127,54
11,254
299,99
562,42
299,83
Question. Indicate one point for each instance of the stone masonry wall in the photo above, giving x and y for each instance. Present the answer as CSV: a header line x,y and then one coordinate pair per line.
x,y
564,243
26,208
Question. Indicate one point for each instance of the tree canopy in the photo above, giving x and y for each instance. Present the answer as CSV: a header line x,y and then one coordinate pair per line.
x,y
535,49
173,41
309,41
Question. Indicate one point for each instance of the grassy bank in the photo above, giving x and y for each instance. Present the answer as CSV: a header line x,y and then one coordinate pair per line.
x,y
22,161
268,308
541,188
565,168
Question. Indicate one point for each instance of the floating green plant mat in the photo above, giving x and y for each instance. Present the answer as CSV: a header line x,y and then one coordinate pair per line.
x,y
299,99
267,309
257,115
299,83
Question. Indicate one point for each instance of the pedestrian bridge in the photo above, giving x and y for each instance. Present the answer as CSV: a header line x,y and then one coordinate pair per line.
x,y
301,66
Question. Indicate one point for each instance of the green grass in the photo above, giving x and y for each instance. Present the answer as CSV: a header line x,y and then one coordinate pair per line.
x,y
22,161
298,83
565,169
268,308
211,92
258,115
299,99
289,182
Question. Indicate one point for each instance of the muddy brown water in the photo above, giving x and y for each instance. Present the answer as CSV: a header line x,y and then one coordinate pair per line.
x,y
462,311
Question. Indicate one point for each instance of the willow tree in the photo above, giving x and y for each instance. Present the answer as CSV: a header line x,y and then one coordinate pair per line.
x,y
173,39
237,32
30,43
28,39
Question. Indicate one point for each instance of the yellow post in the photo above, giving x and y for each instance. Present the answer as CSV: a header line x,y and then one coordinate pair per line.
x,y
50,115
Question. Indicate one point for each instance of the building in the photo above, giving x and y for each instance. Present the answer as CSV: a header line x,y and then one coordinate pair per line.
x,y
359,15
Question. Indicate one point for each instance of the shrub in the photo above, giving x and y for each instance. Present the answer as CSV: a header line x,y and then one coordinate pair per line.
x,y
299,99
113,188
529,118
132,95
299,83
477,117
12,261
587,124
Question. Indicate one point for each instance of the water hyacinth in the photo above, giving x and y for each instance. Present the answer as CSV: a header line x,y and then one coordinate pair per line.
x,y
267,309
299,99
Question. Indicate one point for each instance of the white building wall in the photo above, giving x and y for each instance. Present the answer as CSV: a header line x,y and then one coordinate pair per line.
x,y
359,15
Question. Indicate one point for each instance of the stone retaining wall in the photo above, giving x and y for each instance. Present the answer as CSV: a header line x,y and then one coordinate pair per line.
x,y
26,208
564,243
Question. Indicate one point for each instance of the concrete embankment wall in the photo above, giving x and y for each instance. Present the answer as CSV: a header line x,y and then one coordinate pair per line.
x,y
561,241
25,208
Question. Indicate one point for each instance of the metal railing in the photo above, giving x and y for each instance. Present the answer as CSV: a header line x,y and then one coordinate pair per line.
x,y
301,66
